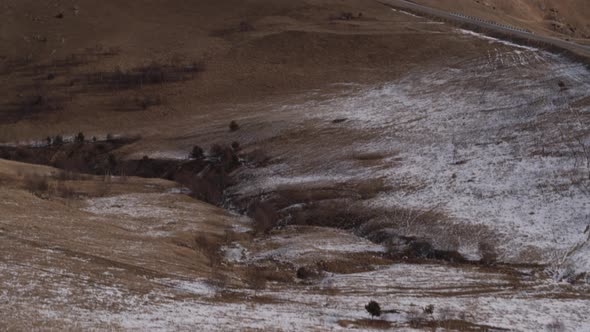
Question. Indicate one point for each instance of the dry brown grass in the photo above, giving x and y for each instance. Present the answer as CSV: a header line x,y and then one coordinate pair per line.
x,y
210,248
353,263
452,325
373,324
36,184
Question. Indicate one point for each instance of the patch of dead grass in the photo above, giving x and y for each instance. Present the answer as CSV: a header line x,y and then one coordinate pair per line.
x,y
373,324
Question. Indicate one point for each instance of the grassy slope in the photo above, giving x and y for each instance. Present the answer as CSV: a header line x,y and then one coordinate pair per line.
x,y
293,47
536,15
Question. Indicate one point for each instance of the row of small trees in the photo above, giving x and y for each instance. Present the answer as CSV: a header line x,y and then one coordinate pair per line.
x,y
58,140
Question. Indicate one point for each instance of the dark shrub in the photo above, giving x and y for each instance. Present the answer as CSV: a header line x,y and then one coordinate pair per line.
x,y
216,151
80,138
112,161
429,309
233,126
146,102
197,152
373,308
223,157
58,140
306,273
235,146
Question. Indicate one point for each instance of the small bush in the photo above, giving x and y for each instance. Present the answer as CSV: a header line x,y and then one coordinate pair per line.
x,y
235,146
429,309
58,140
216,151
233,126
146,102
197,153
36,184
306,273
373,308
80,138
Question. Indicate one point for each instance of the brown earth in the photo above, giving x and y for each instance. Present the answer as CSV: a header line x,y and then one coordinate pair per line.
x,y
562,18
248,51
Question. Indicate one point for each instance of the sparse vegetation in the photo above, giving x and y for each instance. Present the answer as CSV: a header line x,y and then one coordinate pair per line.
x,y
245,27
264,216
210,248
152,74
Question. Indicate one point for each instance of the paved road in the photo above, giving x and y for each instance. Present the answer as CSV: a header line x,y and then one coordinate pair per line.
x,y
517,32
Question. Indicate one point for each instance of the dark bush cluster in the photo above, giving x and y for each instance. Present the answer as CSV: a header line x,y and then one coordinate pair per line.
x,y
206,175
346,16
152,74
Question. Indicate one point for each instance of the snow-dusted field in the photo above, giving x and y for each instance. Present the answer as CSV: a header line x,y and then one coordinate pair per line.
x,y
499,141
484,297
